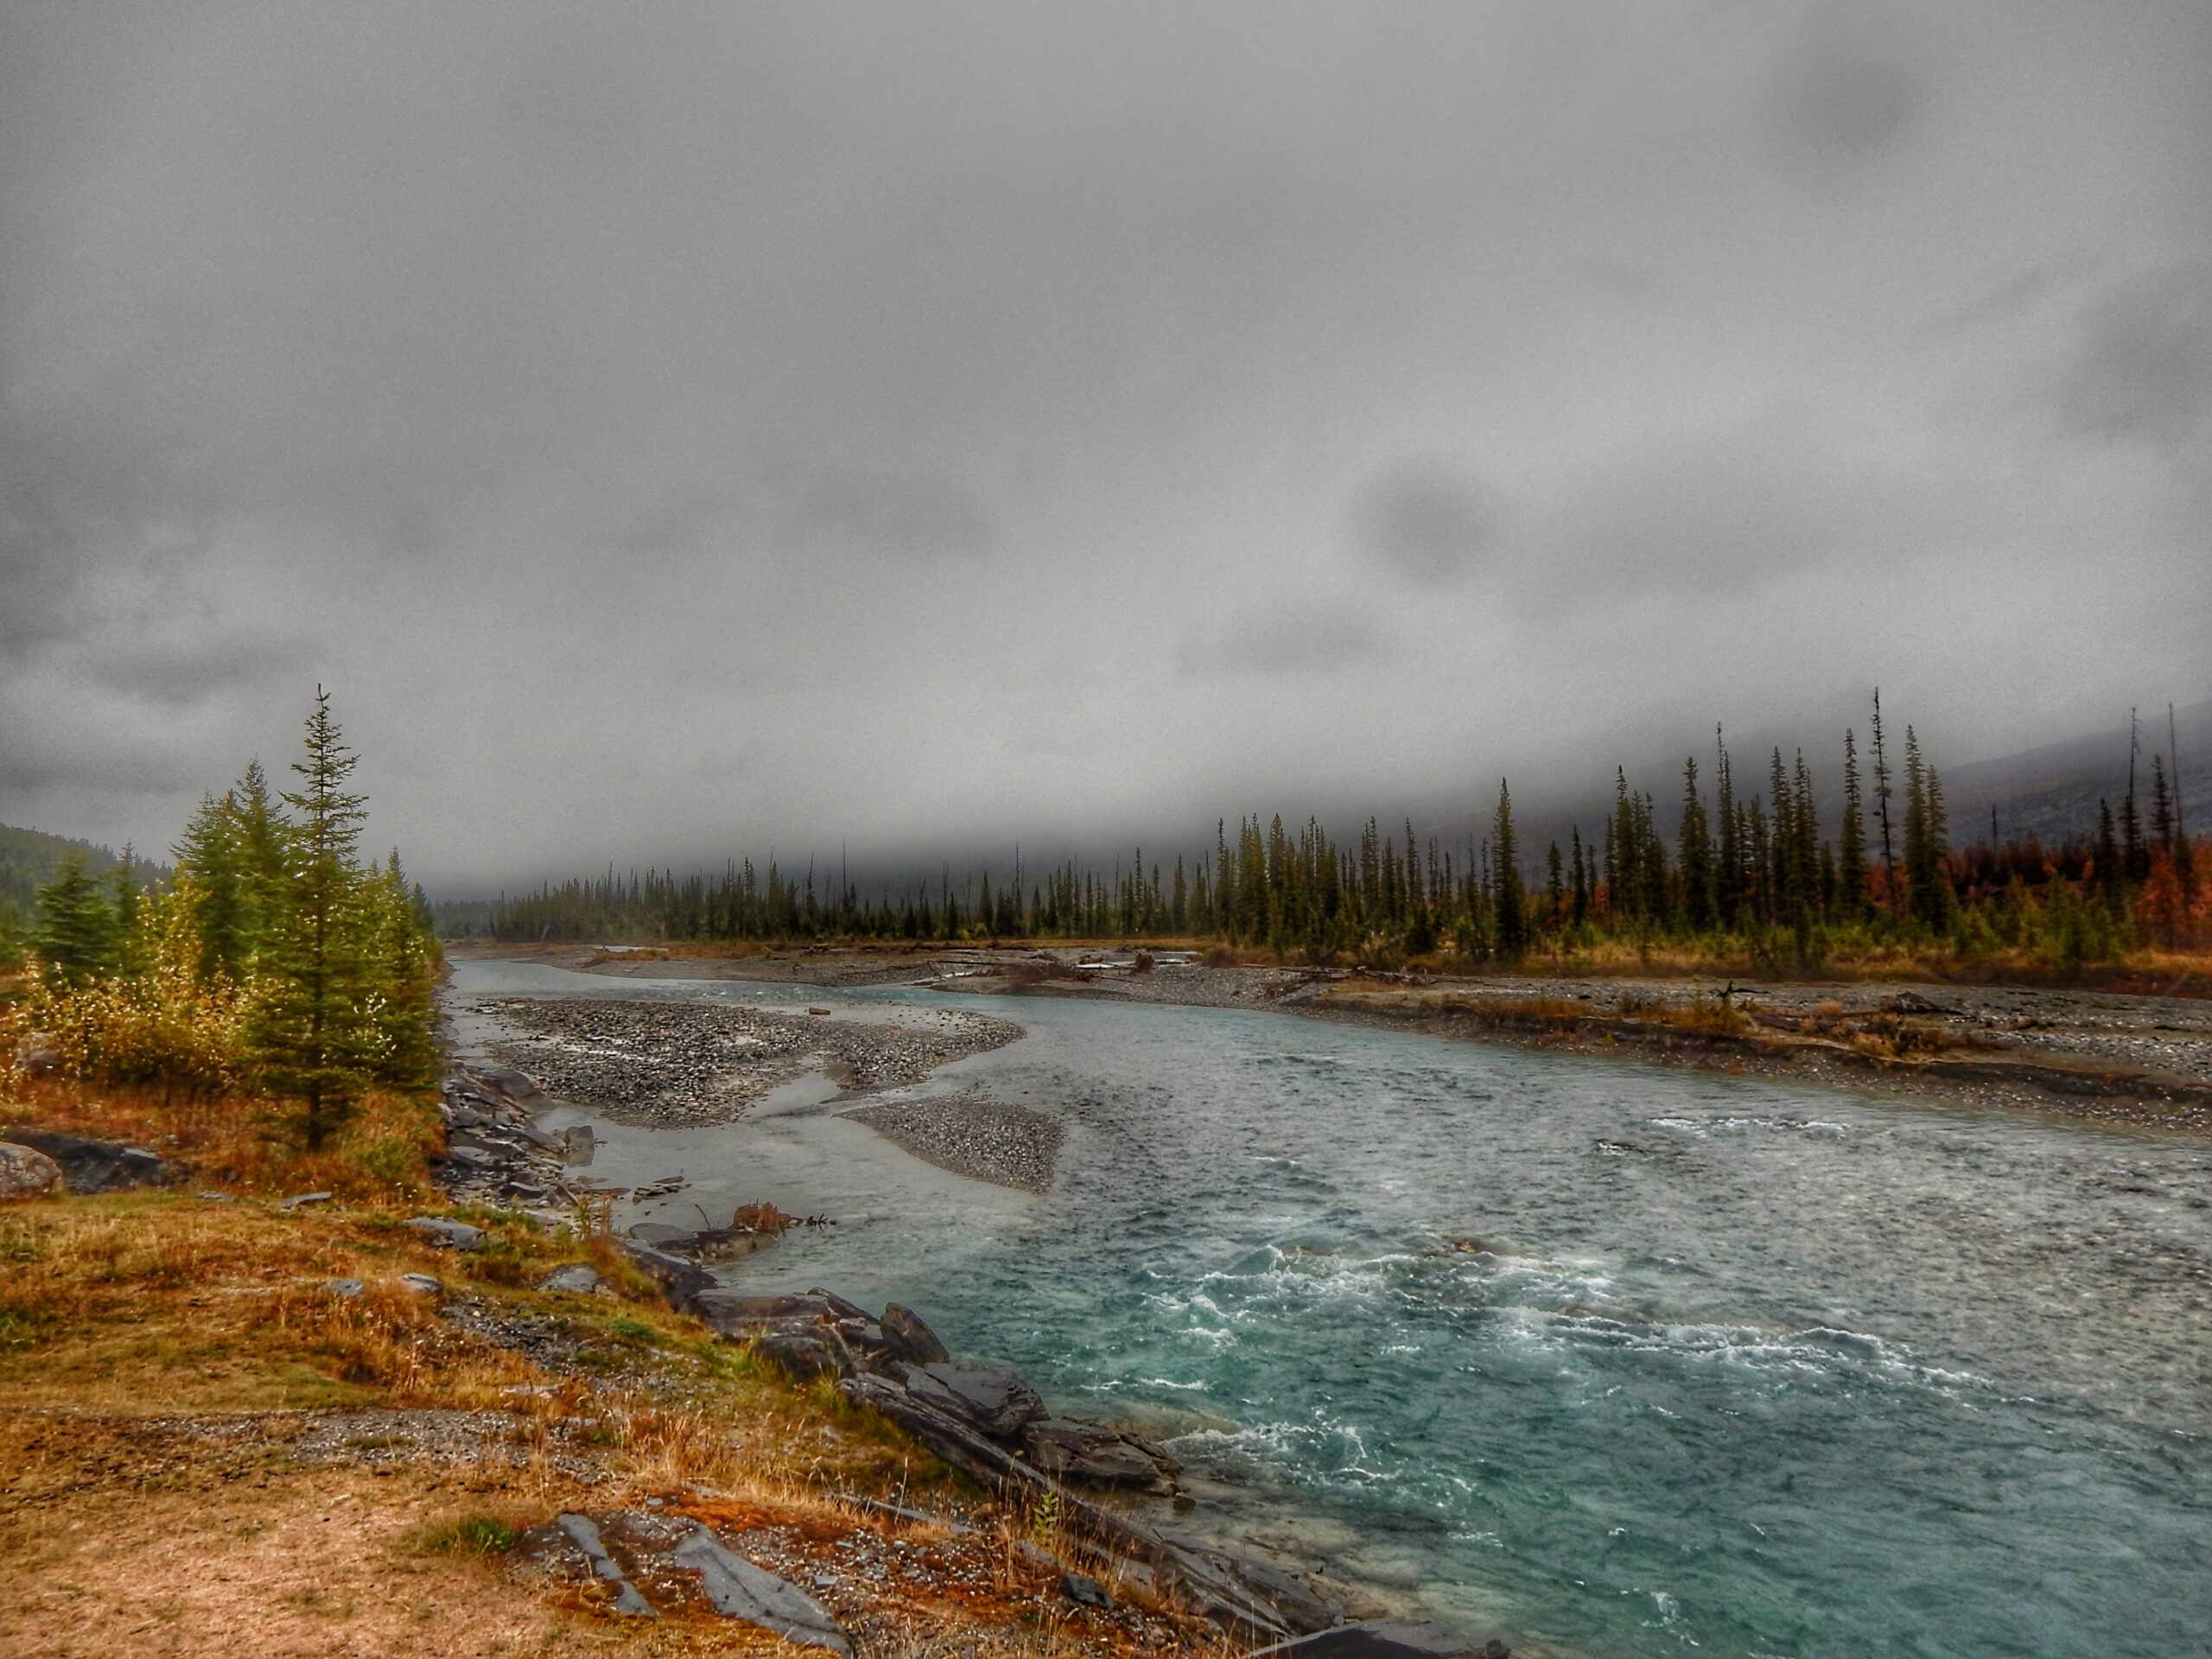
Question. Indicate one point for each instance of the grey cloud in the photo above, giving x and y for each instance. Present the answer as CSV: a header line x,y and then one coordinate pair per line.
x,y
1298,639
1843,93
1427,523
2142,368
901,514
1731,511
195,666
707,426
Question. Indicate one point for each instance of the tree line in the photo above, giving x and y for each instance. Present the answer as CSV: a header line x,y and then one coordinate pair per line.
x,y
278,960
1751,865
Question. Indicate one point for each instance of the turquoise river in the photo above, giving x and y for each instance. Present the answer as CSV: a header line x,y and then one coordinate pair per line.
x,y
1608,1358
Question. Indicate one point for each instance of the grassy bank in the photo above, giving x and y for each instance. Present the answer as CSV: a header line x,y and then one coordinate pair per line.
x,y
206,1443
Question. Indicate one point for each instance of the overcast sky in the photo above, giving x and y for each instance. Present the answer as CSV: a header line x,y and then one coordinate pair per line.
x,y
671,431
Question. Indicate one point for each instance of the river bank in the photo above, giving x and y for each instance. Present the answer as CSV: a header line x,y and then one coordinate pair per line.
x,y
2125,1059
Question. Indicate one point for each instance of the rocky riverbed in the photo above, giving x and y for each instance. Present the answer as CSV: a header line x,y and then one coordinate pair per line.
x,y
971,1135
665,1065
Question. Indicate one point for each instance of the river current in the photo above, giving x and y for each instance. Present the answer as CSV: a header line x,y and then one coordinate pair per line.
x,y
1601,1357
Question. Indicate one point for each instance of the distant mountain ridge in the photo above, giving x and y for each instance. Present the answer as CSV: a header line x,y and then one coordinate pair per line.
x,y
31,858
2053,791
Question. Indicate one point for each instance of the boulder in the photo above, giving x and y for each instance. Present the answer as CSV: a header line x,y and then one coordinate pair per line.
x,y
679,1280
1386,1638
94,1166
735,1588
507,1081
803,1355
1292,1599
444,1233
909,1339
1084,1591
577,1279
992,1397
1093,1455
346,1287
27,1172
741,1315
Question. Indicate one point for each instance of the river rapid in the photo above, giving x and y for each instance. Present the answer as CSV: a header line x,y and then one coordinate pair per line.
x,y
1604,1357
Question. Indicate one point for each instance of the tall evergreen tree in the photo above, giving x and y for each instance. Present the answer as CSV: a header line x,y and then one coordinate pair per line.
x,y
403,1011
1728,868
1694,840
74,934
1851,851
312,1030
211,872
1510,897
1881,791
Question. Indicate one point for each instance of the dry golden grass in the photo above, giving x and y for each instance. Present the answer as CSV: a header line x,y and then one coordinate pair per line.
x,y
161,1358
244,1145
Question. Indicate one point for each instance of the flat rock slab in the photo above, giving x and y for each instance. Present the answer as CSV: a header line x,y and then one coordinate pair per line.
x,y
94,1166
450,1235
993,1398
1068,1449
584,1532
1386,1638
737,1589
577,1279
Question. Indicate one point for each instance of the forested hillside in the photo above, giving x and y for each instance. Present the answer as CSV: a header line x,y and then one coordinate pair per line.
x,y
31,858
1732,861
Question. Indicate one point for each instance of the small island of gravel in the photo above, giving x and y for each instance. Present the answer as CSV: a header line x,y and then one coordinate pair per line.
x,y
987,1139
665,1064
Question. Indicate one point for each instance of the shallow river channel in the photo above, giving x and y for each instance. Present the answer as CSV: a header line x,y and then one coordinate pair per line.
x,y
1599,1357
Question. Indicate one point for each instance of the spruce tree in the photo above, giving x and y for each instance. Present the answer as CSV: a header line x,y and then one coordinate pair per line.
x,y
1694,840
210,871
312,1030
1882,793
1512,922
1851,853
404,961
1728,869
75,931
130,953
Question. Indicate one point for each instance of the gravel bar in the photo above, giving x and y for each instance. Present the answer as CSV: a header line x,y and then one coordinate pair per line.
x,y
668,1064
987,1139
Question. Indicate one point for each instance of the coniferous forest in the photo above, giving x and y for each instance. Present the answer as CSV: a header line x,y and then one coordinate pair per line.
x,y
1775,866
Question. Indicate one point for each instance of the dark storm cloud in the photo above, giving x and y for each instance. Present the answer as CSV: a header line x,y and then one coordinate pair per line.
x,y
1427,523
2142,370
1844,93
677,429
